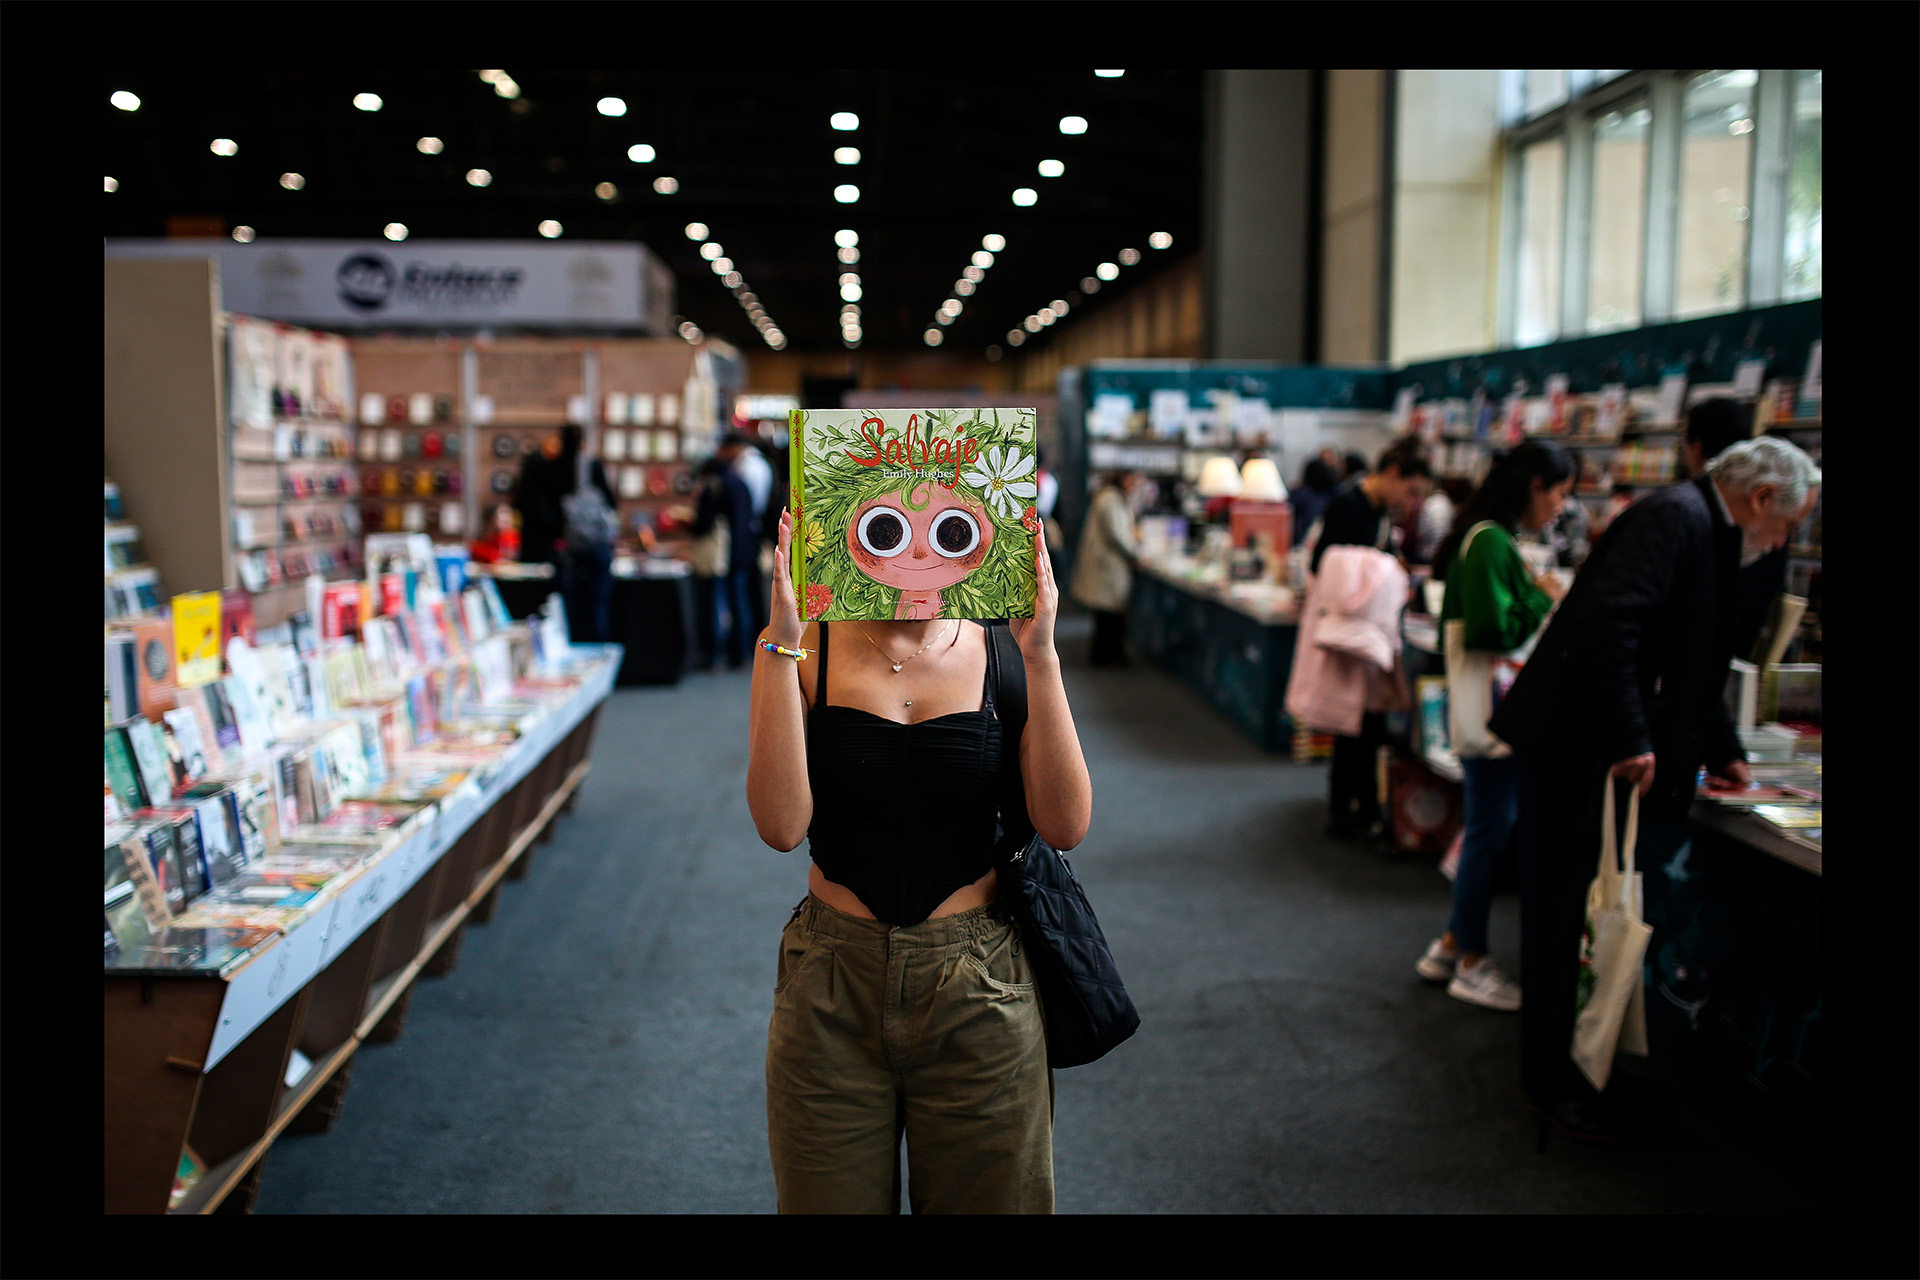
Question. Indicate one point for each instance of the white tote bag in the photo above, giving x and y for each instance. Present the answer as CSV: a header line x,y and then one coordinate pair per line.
x,y
1476,682
1609,1001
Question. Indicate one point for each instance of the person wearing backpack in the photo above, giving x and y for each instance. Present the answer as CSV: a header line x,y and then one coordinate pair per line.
x,y
590,525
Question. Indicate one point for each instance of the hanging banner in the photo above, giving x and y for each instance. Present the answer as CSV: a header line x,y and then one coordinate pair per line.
x,y
439,284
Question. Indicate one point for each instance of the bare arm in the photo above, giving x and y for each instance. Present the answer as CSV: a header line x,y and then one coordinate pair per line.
x,y
1052,768
779,793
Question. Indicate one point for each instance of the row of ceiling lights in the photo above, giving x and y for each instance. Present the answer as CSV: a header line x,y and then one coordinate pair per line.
x,y
1089,285
717,261
503,85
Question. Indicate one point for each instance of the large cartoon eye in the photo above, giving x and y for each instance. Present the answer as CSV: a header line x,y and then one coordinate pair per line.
x,y
883,532
954,533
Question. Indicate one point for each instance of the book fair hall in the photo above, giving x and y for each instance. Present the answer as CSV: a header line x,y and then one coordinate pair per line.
x,y
1244,642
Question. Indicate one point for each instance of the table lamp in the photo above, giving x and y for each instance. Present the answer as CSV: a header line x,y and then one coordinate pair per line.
x,y
1260,481
1220,478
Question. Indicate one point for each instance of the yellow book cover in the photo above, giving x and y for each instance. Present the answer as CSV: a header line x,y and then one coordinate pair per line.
x,y
196,638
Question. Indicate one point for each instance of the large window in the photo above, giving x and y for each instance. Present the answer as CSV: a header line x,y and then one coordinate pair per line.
x,y
1616,255
1542,187
1637,197
1802,275
1716,202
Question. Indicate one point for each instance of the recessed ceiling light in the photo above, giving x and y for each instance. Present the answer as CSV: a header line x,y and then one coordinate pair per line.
x,y
696,231
1015,337
973,275
1110,75
1160,240
993,244
1073,124
722,265
666,186
1025,196
367,101
1059,306
224,147
846,155
1107,271
711,250
113,183
640,153
964,288
606,191
847,193
848,256
611,107
1089,285
848,277
845,121
982,259
932,337
292,181
478,177
394,231
243,234
550,229
850,293
430,146
951,306
1052,168
125,101
733,280
1129,257
846,239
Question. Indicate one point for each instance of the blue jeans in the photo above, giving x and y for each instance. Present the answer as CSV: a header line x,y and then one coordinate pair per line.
x,y
588,583
734,620
1492,809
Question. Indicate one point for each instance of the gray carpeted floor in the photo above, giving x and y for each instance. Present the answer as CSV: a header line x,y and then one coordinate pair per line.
x,y
599,1048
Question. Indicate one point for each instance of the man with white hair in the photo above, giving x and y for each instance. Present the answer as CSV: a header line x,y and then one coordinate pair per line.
x,y
1627,683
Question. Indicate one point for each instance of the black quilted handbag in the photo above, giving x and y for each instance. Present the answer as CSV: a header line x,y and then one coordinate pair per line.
x,y
1088,1010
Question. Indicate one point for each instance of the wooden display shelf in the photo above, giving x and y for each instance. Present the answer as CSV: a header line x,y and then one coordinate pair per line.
x,y
161,1031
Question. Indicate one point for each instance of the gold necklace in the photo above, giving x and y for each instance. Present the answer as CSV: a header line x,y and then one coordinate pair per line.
x,y
910,657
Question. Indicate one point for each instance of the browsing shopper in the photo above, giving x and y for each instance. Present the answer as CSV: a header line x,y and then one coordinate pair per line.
x,y
1494,605
1627,683
1362,514
904,1005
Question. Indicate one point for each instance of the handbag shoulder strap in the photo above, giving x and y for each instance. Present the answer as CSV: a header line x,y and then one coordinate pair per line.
x,y
1471,534
1009,677
1613,850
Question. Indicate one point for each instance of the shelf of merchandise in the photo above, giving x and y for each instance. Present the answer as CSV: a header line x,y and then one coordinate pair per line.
x,y
414,401
202,1059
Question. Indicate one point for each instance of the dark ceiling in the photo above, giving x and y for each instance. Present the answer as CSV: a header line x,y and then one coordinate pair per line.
x,y
940,156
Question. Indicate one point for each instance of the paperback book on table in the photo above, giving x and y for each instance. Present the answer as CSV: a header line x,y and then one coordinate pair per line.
x,y
913,513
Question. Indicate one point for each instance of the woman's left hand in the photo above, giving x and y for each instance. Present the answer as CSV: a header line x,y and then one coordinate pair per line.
x,y
1035,635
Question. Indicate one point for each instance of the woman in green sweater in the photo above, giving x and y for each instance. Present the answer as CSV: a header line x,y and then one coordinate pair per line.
x,y
1494,607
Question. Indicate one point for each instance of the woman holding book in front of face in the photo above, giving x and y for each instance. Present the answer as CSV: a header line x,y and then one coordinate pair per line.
x,y
1494,605
904,1006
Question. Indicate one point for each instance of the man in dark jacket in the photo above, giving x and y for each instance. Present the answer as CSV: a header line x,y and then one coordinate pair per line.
x,y
1713,427
1628,682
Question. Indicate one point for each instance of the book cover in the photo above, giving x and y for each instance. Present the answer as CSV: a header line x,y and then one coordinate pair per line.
x,y
187,753
913,513
196,637
123,770
1790,817
153,643
220,845
163,857
150,754
123,675
236,616
136,906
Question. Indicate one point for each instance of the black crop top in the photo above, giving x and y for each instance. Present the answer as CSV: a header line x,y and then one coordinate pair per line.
x,y
903,814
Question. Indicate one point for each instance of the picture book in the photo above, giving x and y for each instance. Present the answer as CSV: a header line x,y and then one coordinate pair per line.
x,y
150,755
187,749
913,513
123,771
196,635
154,672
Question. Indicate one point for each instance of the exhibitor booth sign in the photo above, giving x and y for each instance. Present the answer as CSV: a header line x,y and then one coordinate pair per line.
x,y
442,284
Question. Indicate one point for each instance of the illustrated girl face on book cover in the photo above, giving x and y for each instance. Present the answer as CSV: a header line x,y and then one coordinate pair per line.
x,y
915,513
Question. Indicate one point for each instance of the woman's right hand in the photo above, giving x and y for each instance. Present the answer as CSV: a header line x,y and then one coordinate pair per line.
x,y
784,626
1550,583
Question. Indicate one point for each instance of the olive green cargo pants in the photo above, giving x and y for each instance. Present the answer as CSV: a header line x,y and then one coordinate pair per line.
x,y
931,1032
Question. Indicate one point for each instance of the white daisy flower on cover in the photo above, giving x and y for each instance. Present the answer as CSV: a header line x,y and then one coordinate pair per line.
x,y
998,475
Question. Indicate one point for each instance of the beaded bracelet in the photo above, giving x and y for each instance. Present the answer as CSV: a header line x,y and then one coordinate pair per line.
x,y
798,655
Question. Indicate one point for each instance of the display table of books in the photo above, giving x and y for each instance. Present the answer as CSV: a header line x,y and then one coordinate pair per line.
x,y
1233,641
269,916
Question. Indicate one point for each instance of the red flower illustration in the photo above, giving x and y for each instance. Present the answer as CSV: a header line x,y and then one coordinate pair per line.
x,y
1031,519
818,598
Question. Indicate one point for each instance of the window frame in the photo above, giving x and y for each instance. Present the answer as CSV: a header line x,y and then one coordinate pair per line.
x,y
1572,121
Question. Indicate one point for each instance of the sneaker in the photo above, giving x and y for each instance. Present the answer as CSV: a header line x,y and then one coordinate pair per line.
x,y
1487,986
1437,965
